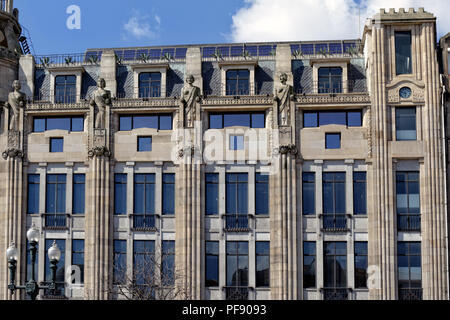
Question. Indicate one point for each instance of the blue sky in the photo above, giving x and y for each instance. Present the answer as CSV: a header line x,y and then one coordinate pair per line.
x,y
119,23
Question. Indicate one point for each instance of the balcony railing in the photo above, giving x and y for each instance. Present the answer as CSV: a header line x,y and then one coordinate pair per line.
x,y
49,96
237,293
56,221
67,60
334,223
410,294
336,293
237,222
143,222
315,87
408,222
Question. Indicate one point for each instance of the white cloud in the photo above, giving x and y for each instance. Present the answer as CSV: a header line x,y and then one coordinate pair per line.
x,y
288,20
139,26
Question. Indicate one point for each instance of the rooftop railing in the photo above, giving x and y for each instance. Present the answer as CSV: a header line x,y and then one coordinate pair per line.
x,y
67,60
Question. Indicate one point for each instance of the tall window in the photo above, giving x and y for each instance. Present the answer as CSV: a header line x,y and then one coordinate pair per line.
x,y
237,267
78,258
361,264
65,89
308,193
261,193
168,263
409,270
33,193
79,194
262,264
56,200
237,200
238,82
408,201
168,189
330,80
405,124
120,261
335,264
144,193
403,54
149,84
60,271
144,268
212,264
212,193
309,264
120,193
334,200
359,193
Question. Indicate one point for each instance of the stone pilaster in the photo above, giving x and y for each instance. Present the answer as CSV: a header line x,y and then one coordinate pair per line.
x,y
108,72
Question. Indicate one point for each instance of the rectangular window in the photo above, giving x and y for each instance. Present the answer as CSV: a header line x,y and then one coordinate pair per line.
x,y
144,268
361,263
405,124
335,264
60,271
65,89
33,193
309,264
261,193
168,189
409,270
241,119
359,193
120,261
212,193
408,201
330,80
78,261
314,119
120,193
144,193
236,142
71,124
168,263
79,193
236,200
149,84
152,121
238,82
332,140
56,144
403,56
309,193
55,206
237,264
334,207
262,264
212,263
144,144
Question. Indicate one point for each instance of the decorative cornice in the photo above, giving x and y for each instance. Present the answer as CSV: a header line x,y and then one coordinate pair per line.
x,y
333,98
139,103
99,152
242,100
12,153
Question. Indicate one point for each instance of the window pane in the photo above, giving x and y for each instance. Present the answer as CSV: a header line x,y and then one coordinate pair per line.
x,y
78,261
56,144
258,120
212,193
215,121
77,124
120,261
33,193
231,120
236,142
58,124
60,271
262,194
144,144
332,141
403,52
120,193
168,193
125,123
78,193
308,193
212,264
145,122
39,125
405,123
326,118
354,119
165,122
262,264
359,193
310,120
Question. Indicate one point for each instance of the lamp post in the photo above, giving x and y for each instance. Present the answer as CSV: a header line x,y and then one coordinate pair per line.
x,y
31,286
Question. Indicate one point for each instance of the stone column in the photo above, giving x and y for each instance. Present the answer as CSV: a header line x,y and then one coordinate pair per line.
x,y
108,72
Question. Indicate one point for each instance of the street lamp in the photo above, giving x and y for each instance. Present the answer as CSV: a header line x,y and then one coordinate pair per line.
x,y
31,286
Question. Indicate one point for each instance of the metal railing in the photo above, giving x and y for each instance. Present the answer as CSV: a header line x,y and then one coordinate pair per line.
x,y
67,60
254,88
334,222
336,293
314,87
237,222
144,222
49,96
56,221
408,222
237,293
410,294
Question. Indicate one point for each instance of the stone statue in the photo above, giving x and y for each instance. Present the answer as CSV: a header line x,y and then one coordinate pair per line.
x,y
101,98
12,38
283,96
16,101
190,96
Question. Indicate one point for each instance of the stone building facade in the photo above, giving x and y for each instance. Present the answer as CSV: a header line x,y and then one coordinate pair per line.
x,y
290,170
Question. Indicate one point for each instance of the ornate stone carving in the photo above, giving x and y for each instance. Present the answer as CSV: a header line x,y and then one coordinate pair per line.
x,y
338,98
99,138
99,152
283,96
101,99
190,97
12,38
14,139
16,101
188,150
12,153
291,149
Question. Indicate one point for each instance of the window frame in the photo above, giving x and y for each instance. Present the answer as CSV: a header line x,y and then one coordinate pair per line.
x,y
149,87
397,55
307,266
69,89
139,143
245,80
74,196
55,148
304,184
266,256
356,183
335,278
215,183
216,256
397,118
328,145
133,116
364,255
330,80
223,114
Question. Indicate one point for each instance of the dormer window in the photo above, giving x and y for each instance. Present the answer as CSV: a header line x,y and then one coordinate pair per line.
x,y
330,80
149,84
65,83
238,82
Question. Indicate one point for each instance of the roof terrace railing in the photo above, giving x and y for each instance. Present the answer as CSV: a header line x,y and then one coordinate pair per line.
x,y
71,59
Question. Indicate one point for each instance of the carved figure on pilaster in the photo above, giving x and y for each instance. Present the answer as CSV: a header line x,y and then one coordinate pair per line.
x,y
101,99
283,97
16,101
190,97
12,38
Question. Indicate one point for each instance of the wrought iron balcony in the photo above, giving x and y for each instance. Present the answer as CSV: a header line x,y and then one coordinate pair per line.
x,y
144,222
408,222
334,223
56,221
237,293
237,222
336,293
410,294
